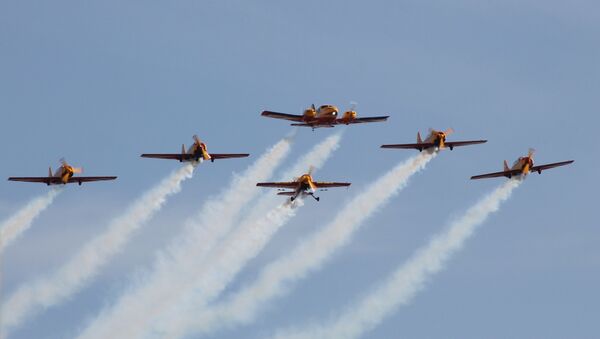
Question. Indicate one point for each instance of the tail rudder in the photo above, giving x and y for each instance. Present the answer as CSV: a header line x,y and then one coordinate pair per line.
x,y
506,168
419,140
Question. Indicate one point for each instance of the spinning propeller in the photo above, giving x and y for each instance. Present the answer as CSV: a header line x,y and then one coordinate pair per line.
x,y
66,165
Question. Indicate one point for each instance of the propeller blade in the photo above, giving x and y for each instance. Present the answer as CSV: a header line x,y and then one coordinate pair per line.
x,y
313,107
310,170
353,105
196,139
63,162
530,152
449,131
78,170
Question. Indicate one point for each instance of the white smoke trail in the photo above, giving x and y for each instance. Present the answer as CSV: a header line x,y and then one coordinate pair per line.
x,y
410,278
178,270
86,263
231,256
312,253
225,263
12,228
177,264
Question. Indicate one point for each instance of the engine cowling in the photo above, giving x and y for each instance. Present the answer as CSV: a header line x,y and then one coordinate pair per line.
x,y
310,114
348,116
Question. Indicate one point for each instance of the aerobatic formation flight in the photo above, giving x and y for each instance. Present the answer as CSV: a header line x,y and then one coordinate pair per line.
x,y
325,116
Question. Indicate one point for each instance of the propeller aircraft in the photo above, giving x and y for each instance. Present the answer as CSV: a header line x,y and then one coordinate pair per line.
x,y
521,167
63,175
436,139
195,153
301,186
324,116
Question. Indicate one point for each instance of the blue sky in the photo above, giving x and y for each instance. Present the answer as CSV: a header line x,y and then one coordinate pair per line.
x,y
101,82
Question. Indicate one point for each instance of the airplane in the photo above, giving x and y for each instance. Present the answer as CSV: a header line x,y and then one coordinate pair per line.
x,y
196,152
324,116
435,139
63,175
522,166
301,186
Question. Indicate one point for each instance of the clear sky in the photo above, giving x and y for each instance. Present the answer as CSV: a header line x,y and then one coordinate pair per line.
x,y
101,82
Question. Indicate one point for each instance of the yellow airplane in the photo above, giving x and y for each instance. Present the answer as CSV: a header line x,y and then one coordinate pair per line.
x,y
196,152
435,139
63,175
301,186
522,166
324,116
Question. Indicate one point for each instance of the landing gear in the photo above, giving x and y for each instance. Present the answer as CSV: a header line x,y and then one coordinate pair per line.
x,y
316,198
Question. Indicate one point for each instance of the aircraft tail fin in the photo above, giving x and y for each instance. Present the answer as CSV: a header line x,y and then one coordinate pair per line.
x,y
419,140
506,168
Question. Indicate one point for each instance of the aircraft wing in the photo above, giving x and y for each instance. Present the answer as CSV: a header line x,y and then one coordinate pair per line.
x,y
363,120
228,156
172,156
57,180
541,168
507,174
43,180
285,116
419,146
453,144
289,184
89,179
331,184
